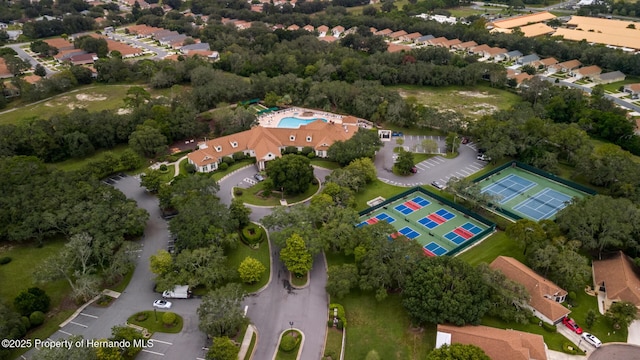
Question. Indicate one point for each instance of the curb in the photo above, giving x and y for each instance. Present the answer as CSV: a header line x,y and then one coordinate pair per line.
x,y
303,286
275,354
231,173
275,206
270,263
247,340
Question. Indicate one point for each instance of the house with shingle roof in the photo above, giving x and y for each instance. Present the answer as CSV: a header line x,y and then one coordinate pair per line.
x,y
498,344
266,144
586,72
619,279
546,297
527,60
610,77
464,46
633,89
424,39
511,55
565,66
322,30
397,34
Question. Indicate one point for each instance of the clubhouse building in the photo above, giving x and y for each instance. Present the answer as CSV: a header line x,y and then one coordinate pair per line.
x,y
267,143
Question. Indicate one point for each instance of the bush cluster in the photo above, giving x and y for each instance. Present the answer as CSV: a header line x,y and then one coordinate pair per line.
x,y
223,166
168,318
570,349
36,318
342,318
5,260
252,234
548,327
288,343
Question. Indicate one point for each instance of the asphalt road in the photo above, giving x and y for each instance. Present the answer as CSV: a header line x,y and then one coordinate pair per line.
x,y
25,56
160,51
616,351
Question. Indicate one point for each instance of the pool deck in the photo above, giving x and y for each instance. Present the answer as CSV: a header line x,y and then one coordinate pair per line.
x,y
271,120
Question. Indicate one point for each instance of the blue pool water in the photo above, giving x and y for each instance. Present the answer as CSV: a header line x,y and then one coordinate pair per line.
x,y
294,122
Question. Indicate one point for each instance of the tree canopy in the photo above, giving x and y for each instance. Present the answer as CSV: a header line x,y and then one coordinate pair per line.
x,y
220,312
291,173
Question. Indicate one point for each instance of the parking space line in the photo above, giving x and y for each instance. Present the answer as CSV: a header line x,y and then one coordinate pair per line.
x,y
75,323
162,342
65,332
466,173
91,316
152,352
459,174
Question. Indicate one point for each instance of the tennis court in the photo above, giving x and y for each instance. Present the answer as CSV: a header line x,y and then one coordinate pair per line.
x,y
528,195
425,219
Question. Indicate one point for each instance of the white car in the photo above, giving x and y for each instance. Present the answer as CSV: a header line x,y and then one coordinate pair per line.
x,y
162,304
591,339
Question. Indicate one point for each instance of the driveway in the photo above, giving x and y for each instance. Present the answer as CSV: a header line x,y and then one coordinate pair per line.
x,y
575,338
436,168
616,351
634,333
158,50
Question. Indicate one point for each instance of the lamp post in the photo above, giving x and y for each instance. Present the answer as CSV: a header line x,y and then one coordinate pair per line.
x,y
291,325
155,314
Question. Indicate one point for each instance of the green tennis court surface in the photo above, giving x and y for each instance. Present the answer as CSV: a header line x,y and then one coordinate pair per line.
x,y
436,226
528,195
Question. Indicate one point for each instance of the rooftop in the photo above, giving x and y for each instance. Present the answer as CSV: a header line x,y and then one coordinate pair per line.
x,y
519,21
619,276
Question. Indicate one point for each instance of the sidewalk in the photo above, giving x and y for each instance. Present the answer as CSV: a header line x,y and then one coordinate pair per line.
x,y
246,341
634,333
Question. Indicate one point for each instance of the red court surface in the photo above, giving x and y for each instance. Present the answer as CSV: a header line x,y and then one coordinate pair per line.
x,y
461,232
372,221
437,218
427,252
413,206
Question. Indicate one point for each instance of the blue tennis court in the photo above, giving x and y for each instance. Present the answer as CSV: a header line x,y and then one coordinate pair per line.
x,y
455,238
385,217
428,223
508,187
421,201
435,249
409,232
404,209
445,214
544,204
472,228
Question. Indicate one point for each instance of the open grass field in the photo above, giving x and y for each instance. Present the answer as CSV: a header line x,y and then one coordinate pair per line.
x,y
374,189
333,345
253,195
473,102
237,255
490,248
77,164
465,11
92,98
630,79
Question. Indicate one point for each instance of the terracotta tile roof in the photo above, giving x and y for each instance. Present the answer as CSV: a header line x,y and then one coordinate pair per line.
x,y
499,344
615,37
451,42
397,34
412,36
548,61
384,32
438,41
619,277
537,286
465,45
143,30
269,140
293,27
59,43
493,51
480,48
519,21
397,47
32,79
589,70
633,87
338,28
534,30
567,65
113,45
309,28
328,39
522,77
322,28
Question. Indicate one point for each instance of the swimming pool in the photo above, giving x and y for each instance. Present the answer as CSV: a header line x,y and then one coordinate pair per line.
x,y
294,122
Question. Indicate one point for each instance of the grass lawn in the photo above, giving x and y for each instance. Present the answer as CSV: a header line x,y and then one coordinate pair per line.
x,y
153,325
183,166
250,195
291,355
168,175
374,189
333,345
471,101
616,85
464,11
331,165
77,164
119,287
553,340
492,247
602,328
219,174
236,256
247,356
299,281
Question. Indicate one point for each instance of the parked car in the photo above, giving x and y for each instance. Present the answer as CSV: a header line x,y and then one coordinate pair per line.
x,y
568,322
465,140
162,304
483,157
414,170
258,177
591,339
437,185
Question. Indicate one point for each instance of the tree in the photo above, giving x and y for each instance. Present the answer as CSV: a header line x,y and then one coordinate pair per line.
x,y
453,142
458,352
152,180
11,327
40,70
364,143
42,48
508,298
148,141
161,262
295,256
590,319
16,65
404,163
223,349
365,168
90,44
437,278
291,173
621,314
529,69
30,300
136,96
205,266
526,233
72,353
251,270
341,279
220,312
239,213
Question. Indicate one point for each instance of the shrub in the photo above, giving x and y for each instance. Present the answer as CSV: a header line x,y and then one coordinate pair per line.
x,y
340,325
341,314
30,300
549,328
223,167
252,234
191,169
306,151
311,155
168,318
228,160
288,342
25,322
5,260
36,318
251,270
314,181
534,320
163,168
237,192
142,316
239,156
570,349
330,323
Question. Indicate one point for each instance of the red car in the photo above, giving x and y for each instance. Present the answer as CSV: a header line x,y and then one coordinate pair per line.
x,y
568,322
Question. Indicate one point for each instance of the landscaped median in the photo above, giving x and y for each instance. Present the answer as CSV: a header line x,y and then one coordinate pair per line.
x,y
157,321
290,345
335,332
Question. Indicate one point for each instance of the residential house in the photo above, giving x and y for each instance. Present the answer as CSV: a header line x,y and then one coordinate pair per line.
x,y
328,38
545,296
449,43
566,66
586,72
83,59
610,77
528,60
337,31
65,55
197,46
32,79
14,34
464,46
633,89
492,52
384,32
479,50
322,30
266,144
511,55
3,25
391,47
257,8
293,27
423,39
437,41
309,28
397,34
411,37
617,277
143,31
498,344
543,64
59,43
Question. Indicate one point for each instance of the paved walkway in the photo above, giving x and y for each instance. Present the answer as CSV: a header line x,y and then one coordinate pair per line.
x,y
557,355
634,333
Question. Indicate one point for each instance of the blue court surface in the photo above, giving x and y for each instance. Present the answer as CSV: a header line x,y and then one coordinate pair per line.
x,y
409,232
472,228
455,238
508,187
435,249
421,201
544,204
404,209
445,214
380,217
428,223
